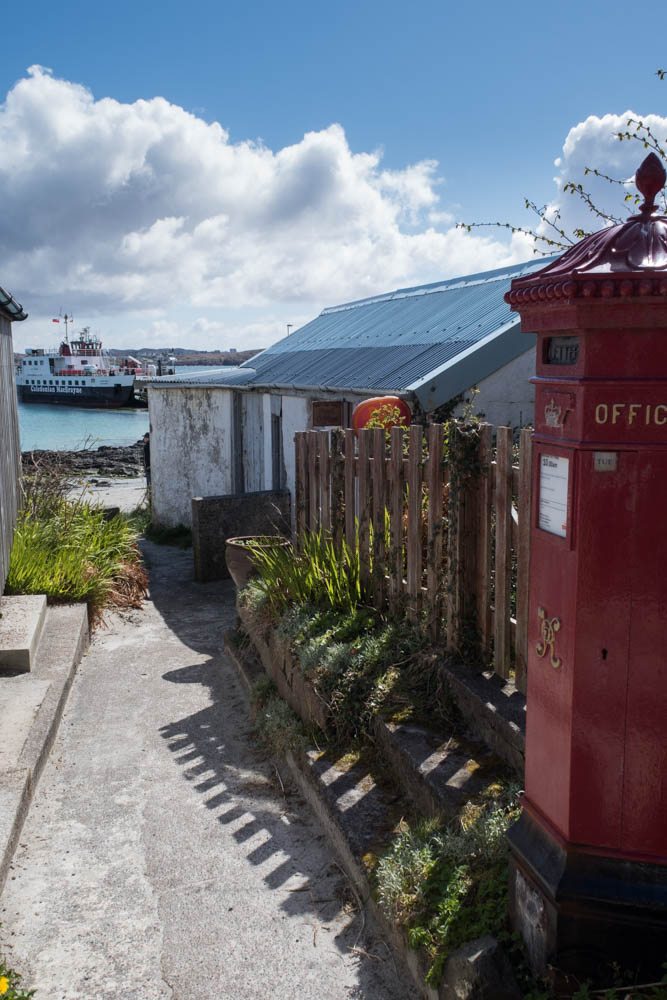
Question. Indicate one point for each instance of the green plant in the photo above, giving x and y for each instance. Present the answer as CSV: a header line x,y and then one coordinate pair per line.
x,y
70,551
448,884
10,985
318,573
180,536
279,727
261,691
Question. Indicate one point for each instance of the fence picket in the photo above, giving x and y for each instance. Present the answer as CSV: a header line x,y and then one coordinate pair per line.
x,y
455,528
324,463
300,485
414,540
397,494
523,556
434,567
337,485
313,492
379,509
484,541
350,488
502,631
364,481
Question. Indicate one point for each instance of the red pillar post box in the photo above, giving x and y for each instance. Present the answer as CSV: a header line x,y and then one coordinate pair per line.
x,y
589,854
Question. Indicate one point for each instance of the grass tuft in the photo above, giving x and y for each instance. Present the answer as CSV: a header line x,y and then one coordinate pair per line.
x,y
70,551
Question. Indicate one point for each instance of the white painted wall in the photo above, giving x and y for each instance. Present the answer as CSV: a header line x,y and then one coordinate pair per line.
x,y
506,398
190,449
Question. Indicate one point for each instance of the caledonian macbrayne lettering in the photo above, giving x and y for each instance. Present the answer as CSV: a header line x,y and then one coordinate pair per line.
x,y
631,413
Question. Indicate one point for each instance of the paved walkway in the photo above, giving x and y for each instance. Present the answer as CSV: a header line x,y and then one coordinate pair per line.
x,y
160,857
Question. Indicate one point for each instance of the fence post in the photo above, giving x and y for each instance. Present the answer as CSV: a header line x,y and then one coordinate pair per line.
x,y
434,568
337,486
414,521
363,476
455,528
301,485
313,506
396,520
379,509
350,495
523,557
325,498
502,625
484,540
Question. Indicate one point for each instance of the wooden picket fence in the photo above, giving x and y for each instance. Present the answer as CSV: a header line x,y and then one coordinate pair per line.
x,y
441,521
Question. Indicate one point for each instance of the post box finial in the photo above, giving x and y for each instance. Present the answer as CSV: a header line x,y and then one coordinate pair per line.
x,y
649,179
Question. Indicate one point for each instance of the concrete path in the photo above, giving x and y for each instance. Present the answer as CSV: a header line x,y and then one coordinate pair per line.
x,y
160,857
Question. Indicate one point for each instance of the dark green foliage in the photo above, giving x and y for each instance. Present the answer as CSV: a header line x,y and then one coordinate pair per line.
x,y
180,536
448,884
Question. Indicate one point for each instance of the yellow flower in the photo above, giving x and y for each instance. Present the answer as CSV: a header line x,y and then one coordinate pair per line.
x,y
4,985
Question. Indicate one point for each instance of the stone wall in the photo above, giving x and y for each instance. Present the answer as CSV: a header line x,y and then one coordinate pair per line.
x,y
10,449
215,519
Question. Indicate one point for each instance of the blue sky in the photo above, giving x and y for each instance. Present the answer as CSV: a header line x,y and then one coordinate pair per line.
x,y
487,92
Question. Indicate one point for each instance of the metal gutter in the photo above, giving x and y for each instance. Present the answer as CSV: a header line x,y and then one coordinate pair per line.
x,y
264,386
10,308
473,366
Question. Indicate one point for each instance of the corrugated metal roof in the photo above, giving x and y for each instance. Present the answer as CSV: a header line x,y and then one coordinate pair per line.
x,y
406,339
434,340
219,376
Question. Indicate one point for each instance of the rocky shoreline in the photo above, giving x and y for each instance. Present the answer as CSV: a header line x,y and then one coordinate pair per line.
x,y
104,461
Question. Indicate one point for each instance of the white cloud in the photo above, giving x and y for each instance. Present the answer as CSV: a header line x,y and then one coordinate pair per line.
x,y
122,209
594,144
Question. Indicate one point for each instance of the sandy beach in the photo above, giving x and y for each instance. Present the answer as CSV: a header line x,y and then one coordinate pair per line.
x,y
125,493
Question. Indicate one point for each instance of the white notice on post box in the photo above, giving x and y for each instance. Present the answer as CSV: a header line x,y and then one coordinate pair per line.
x,y
554,473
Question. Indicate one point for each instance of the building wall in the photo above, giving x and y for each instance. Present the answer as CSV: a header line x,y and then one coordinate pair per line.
x,y
191,449
506,398
10,449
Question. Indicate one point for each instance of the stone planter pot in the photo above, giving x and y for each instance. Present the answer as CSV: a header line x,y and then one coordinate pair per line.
x,y
238,554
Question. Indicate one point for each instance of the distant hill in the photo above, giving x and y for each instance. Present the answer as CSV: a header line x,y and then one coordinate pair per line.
x,y
184,356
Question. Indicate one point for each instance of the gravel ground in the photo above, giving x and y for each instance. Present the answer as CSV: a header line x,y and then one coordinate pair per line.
x,y
160,857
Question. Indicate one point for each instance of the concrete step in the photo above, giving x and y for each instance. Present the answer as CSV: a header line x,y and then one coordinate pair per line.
x,y
359,802
21,624
438,772
31,705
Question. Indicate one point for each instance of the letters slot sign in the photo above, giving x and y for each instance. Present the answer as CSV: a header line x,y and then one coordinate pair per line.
x,y
554,480
592,839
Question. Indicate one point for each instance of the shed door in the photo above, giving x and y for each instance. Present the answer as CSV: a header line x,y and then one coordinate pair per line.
x,y
252,432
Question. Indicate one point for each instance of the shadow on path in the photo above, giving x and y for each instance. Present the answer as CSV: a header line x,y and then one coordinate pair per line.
x,y
219,757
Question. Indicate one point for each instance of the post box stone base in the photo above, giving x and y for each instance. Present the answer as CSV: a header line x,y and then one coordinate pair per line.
x,y
583,912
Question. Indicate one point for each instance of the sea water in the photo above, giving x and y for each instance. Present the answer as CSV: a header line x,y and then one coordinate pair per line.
x,y
58,427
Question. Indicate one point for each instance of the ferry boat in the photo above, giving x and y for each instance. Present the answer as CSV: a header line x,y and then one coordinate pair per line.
x,y
79,373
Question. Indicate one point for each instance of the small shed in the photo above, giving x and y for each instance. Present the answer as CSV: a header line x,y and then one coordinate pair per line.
x,y
232,431
10,445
